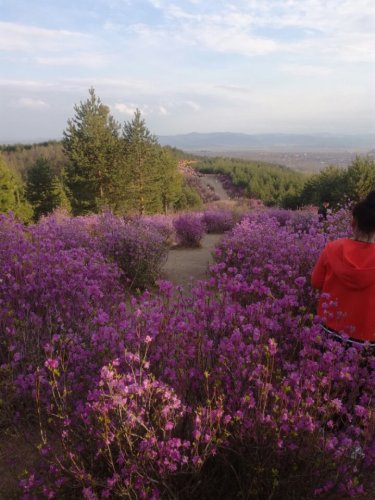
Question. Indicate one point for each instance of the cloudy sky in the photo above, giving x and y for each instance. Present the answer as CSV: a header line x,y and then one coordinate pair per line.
x,y
249,66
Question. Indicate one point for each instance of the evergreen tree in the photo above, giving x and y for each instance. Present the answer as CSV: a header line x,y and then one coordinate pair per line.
x,y
170,180
8,188
360,177
91,143
273,184
337,185
142,186
11,194
60,194
188,198
43,189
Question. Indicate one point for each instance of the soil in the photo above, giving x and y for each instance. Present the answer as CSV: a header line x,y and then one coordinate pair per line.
x,y
18,453
186,265
213,183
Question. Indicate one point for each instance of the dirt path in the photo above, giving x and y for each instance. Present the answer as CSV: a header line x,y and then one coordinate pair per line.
x,y
187,264
212,181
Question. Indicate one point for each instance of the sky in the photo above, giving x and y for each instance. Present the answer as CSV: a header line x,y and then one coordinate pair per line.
x,y
249,66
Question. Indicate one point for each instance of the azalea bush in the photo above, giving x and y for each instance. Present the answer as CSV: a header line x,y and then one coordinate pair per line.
x,y
229,391
212,395
218,220
48,295
189,229
138,245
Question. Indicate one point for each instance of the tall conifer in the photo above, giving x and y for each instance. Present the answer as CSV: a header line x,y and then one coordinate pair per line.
x,y
142,152
91,143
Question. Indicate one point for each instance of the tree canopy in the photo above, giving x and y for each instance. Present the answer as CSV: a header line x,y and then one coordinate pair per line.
x,y
124,169
337,185
12,193
91,143
273,184
44,191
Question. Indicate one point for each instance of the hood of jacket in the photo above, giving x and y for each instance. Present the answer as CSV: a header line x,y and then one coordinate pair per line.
x,y
353,262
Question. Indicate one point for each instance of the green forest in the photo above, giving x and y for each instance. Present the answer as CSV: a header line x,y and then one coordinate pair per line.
x,y
273,184
102,164
99,164
277,185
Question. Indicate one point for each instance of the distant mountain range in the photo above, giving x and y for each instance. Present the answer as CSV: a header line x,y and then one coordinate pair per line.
x,y
227,141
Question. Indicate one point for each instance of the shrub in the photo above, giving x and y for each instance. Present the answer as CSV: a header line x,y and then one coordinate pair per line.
x,y
218,221
231,391
217,397
50,297
138,246
189,229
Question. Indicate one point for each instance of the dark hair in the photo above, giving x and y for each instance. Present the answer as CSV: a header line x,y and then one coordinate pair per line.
x,y
364,214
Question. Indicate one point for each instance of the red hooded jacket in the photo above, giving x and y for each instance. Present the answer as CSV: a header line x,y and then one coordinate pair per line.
x,y
346,271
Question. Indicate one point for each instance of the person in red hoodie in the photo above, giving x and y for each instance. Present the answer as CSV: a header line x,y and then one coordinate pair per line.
x,y
345,274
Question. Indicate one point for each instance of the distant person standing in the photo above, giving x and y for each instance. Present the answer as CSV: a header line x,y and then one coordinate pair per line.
x,y
323,210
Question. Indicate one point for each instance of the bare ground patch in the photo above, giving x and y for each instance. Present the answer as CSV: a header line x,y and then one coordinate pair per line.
x,y
185,265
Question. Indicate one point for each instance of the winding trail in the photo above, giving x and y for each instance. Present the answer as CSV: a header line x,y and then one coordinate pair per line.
x,y
186,265
212,181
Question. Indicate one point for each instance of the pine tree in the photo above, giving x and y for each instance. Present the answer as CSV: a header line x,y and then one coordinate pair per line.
x,y
60,194
170,180
11,194
141,176
360,177
91,143
43,189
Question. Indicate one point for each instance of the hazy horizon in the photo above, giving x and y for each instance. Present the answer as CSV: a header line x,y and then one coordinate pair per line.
x,y
360,142
252,67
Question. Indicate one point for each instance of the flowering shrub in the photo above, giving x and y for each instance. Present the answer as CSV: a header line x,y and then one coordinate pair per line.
x,y
214,383
230,391
164,225
253,253
218,221
138,246
47,295
189,229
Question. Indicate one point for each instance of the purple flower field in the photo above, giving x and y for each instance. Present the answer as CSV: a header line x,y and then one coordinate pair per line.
x,y
231,391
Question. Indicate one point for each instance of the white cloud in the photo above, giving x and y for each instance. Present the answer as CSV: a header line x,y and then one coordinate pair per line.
x,y
126,109
163,110
233,89
20,37
89,60
156,3
306,70
272,63
29,103
232,41
193,105
339,29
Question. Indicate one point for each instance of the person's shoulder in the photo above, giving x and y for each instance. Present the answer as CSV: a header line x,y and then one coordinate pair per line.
x,y
337,243
340,241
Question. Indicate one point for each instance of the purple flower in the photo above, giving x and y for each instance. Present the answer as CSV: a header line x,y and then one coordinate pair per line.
x,y
51,364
